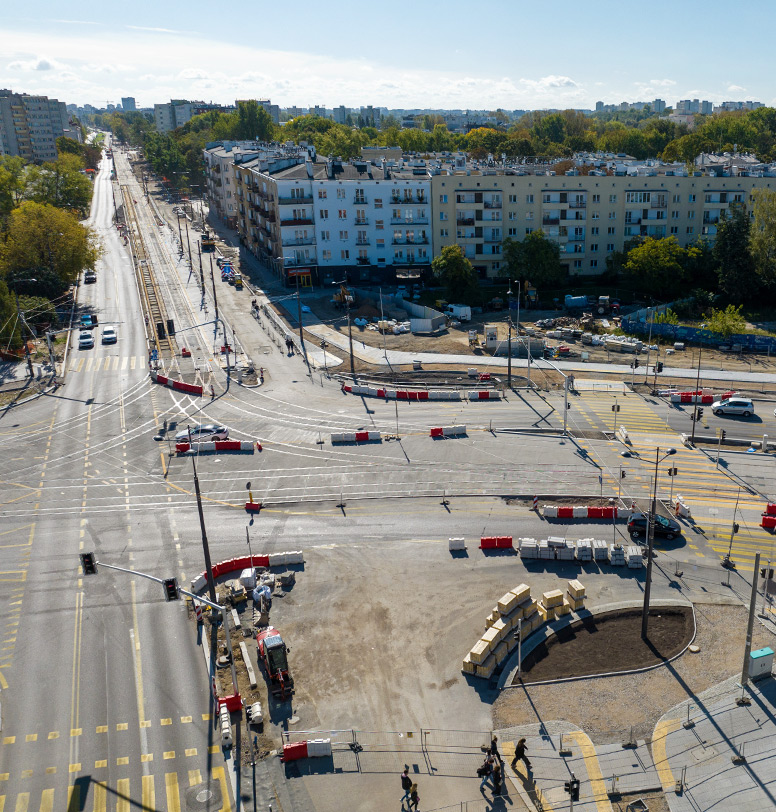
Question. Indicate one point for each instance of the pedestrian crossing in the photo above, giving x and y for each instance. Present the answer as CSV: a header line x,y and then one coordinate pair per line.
x,y
631,411
105,363
167,792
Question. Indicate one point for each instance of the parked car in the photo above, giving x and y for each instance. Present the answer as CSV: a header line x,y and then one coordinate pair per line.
x,y
211,431
667,528
109,335
85,341
742,406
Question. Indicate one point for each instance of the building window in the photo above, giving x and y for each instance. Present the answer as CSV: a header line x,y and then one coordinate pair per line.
x,y
398,255
637,197
577,264
380,242
579,248
612,215
612,198
378,203
324,214
344,254
360,196
690,215
690,230
546,198
443,232
594,247
343,235
443,198
674,229
594,231
321,194
593,263
362,253
342,214
325,236
596,215
341,194
443,215
677,199
529,199
528,230
379,225
691,199
529,215
512,232
326,254
513,215
513,198
611,230
596,198
610,247
674,215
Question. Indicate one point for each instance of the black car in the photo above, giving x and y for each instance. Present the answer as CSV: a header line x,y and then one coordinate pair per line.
x,y
667,528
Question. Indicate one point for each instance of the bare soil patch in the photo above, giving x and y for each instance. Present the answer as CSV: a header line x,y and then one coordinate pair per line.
x,y
609,642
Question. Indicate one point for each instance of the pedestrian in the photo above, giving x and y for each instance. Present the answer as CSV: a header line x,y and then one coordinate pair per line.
x,y
414,797
406,784
496,775
494,750
485,770
520,755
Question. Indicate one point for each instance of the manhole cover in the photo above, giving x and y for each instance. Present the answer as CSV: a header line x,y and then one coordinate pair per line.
x,y
204,797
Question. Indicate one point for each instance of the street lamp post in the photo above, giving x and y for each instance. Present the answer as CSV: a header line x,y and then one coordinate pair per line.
x,y
651,543
696,398
509,335
21,322
350,329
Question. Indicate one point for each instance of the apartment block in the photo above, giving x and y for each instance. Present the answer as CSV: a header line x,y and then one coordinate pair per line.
x,y
128,104
175,114
220,183
312,222
589,216
30,125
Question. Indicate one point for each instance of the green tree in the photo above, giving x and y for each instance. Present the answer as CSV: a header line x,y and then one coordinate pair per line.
x,y
11,186
62,184
762,240
253,122
667,317
456,273
657,266
727,321
735,266
42,236
535,259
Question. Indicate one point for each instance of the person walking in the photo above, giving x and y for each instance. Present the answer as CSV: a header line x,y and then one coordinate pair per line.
x,y
494,750
484,772
414,797
406,784
496,777
520,755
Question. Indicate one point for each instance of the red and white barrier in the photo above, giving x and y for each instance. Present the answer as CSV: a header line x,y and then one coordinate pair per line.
x,y
496,543
704,397
485,394
447,431
218,445
580,512
237,565
180,386
402,394
314,748
356,437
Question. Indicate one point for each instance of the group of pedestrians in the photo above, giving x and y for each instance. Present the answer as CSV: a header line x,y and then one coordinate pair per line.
x,y
410,788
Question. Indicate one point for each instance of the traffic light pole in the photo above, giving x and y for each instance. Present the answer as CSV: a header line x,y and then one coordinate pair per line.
x,y
696,398
212,604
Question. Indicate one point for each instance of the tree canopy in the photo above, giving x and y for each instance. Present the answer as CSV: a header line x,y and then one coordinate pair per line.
x,y
535,259
456,273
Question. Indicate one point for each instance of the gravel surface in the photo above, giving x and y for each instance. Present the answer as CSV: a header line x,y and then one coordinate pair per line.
x,y
606,708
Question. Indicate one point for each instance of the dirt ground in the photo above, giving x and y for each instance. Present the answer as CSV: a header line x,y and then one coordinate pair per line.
x,y
609,642
607,708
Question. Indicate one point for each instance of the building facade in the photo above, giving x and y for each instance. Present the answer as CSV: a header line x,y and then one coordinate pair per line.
x,y
128,104
30,125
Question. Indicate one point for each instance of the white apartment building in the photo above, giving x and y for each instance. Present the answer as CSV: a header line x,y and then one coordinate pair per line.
x,y
30,125
315,221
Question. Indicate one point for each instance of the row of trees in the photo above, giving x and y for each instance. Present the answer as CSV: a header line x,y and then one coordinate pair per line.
x,y
41,234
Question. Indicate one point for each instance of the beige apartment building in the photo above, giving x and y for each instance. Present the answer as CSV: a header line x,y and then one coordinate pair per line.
x,y
590,216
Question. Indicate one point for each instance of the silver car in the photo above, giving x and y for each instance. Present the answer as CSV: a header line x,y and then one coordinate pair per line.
x,y
734,405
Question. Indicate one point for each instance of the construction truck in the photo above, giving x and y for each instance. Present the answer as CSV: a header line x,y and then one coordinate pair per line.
x,y
208,243
342,297
272,653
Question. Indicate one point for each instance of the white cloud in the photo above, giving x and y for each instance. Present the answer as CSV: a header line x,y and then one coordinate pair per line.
x,y
39,64
736,89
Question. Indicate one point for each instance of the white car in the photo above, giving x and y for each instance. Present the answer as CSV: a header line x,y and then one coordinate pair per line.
x,y
109,335
203,433
734,405
85,341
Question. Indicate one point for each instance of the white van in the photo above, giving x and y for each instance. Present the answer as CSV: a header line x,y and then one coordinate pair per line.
x,y
734,405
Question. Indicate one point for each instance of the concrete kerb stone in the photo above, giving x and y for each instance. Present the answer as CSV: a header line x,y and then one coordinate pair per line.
x,y
550,629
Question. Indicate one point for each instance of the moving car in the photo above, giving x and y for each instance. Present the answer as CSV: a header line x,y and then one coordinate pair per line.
x,y
85,341
109,335
667,528
89,277
734,405
87,321
211,431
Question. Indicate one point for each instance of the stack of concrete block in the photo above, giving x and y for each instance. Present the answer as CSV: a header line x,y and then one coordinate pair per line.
x,y
545,551
616,555
501,627
633,557
563,609
507,603
600,550
487,668
529,548
585,550
575,595
548,605
492,617
566,552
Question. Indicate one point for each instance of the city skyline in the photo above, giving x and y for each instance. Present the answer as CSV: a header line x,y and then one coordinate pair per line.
x,y
449,60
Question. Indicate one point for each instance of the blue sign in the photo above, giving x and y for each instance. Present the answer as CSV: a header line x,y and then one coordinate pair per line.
x,y
154,355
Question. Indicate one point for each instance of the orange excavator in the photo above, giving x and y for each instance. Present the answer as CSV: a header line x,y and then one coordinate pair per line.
x,y
272,652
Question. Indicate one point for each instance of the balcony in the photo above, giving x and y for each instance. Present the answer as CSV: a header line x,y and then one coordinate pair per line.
x,y
267,230
305,222
577,204
361,221
363,241
492,204
576,237
493,238
269,215
550,221
295,201
359,201
710,221
299,241
411,221
408,241
465,221
632,221
659,203
362,260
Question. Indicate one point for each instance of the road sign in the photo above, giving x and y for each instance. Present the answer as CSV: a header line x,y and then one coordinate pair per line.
x,y
154,355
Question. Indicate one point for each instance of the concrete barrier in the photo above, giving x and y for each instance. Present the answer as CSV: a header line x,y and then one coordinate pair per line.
x,y
456,544
248,666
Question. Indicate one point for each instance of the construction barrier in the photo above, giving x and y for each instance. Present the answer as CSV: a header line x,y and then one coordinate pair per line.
x,y
488,543
218,445
317,748
680,508
448,431
456,544
580,511
294,751
356,437
253,507
233,702
768,521
771,509
237,565
485,394
401,394
180,386
225,723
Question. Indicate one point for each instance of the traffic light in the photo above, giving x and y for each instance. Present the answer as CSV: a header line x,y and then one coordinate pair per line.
x,y
572,787
736,528
88,564
635,363
659,366
766,573
698,413
722,434
622,474
170,327
160,329
171,589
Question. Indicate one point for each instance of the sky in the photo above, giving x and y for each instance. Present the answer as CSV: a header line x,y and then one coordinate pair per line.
x,y
398,54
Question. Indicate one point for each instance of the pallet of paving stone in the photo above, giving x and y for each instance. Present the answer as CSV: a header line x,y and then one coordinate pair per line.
x,y
479,653
492,617
553,597
468,666
507,603
575,603
600,550
584,550
566,553
616,555
491,637
556,541
634,557
563,608
487,668
529,548
576,589
545,551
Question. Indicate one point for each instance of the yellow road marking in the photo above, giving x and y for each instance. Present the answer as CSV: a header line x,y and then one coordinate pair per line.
x,y
173,797
149,794
220,776
32,737
74,796
75,768
166,722
102,729
100,796
122,726
147,757
138,667
22,801
98,765
195,778
191,751
122,761
662,730
54,734
168,754
593,767
47,801
122,793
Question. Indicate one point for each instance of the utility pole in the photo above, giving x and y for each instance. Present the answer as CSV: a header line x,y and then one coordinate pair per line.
x,y
201,272
750,623
188,244
301,331
696,398
350,339
21,332
509,337
180,234
211,586
215,295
